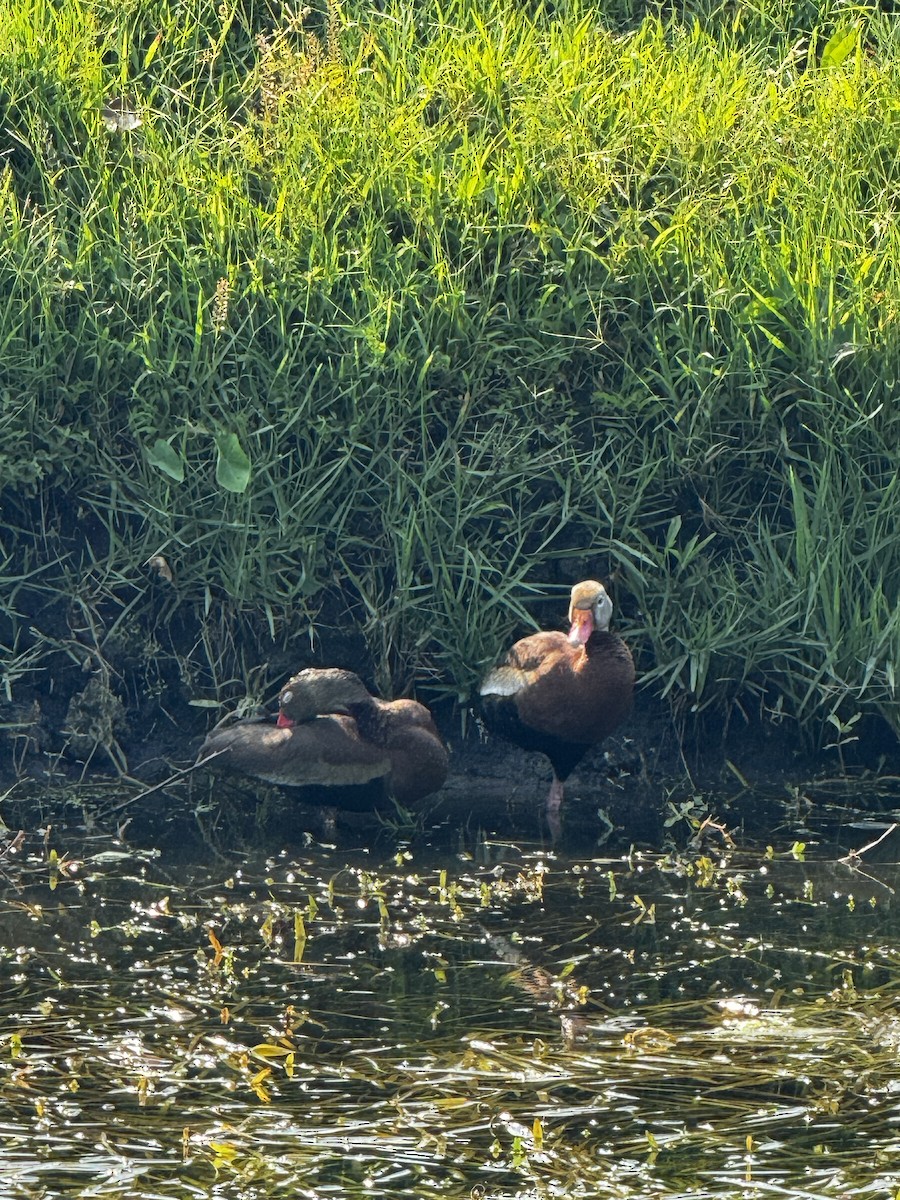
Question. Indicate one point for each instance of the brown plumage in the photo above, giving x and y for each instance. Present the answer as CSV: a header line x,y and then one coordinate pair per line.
x,y
561,694
403,729
331,732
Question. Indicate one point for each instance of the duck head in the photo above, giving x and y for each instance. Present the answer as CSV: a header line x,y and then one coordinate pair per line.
x,y
315,692
590,610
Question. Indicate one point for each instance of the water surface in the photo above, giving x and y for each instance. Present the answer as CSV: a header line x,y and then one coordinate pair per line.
x,y
495,1020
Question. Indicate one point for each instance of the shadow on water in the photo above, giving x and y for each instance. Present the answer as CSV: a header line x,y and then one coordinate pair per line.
x,y
498,1022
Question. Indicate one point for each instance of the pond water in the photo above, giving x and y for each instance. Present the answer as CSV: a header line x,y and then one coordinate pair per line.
x,y
497,1020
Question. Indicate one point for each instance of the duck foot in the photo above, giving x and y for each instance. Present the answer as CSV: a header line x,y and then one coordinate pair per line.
x,y
554,805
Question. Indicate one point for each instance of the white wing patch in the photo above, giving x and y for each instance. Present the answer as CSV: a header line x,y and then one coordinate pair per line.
x,y
503,681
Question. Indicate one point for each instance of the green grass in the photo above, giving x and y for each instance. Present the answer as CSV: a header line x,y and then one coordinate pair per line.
x,y
401,318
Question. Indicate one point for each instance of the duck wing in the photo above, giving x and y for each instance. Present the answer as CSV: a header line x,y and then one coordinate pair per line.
x,y
326,751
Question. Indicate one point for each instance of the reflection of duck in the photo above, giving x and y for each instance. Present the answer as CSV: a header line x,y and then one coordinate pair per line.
x,y
331,732
562,694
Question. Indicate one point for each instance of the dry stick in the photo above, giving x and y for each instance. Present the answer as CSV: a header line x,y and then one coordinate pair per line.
x,y
853,859
172,779
11,847
14,844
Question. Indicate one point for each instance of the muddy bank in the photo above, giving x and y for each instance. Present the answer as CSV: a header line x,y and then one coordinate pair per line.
x,y
646,786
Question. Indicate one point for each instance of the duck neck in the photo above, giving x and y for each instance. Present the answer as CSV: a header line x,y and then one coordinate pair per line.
x,y
597,641
367,717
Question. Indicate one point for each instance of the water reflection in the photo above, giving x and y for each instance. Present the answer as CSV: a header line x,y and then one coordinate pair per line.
x,y
416,1023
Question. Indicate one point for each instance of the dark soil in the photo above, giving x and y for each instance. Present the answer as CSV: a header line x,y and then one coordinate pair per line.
x,y
650,785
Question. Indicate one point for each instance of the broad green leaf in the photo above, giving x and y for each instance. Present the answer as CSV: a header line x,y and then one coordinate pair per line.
x,y
841,43
165,459
269,1050
151,52
224,1150
232,464
299,936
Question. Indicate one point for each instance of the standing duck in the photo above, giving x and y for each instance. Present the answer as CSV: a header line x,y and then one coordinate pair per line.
x,y
561,694
331,732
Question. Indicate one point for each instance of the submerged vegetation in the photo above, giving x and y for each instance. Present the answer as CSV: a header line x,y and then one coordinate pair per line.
x,y
399,316
712,1025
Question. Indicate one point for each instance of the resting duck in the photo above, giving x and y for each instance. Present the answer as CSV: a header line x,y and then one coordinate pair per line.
x,y
331,732
562,694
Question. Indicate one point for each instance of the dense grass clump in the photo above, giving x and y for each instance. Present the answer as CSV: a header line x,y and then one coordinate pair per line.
x,y
399,316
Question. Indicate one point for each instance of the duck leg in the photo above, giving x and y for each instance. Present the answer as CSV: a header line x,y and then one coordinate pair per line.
x,y
554,805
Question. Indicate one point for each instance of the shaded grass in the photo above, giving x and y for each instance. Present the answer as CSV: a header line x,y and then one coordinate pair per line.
x,y
491,299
